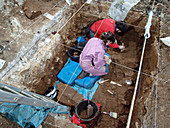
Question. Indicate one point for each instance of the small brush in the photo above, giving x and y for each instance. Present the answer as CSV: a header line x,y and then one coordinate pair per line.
x,y
110,92
102,81
112,114
112,82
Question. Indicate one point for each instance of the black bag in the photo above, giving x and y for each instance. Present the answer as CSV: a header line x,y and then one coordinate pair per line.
x,y
89,33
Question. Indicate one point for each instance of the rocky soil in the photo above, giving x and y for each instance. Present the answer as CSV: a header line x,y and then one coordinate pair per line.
x,y
124,64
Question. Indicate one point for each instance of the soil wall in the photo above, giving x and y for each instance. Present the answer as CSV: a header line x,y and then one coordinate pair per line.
x,y
32,63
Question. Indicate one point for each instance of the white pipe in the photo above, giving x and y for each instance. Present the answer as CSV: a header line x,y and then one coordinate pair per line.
x,y
146,35
136,86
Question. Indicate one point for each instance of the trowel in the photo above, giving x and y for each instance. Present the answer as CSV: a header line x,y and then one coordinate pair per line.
x,y
89,107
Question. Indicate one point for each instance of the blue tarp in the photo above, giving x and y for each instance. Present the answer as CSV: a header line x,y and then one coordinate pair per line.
x,y
29,116
85,91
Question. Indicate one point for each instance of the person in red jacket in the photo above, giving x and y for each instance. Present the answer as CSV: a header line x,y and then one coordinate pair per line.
x,y
105,25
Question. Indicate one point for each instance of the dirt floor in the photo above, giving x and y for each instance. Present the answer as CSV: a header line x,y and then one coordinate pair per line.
x,y
119,103
124,67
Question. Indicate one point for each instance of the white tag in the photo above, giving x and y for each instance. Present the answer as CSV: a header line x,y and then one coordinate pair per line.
x,y
128,82
68,2
89,1
2,62
49,16
47,41
166,41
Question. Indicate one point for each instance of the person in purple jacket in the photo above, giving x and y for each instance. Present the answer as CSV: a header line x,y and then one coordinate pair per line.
x,y
92,59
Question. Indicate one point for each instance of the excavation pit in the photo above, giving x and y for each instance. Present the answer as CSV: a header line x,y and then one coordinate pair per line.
x,y
42,74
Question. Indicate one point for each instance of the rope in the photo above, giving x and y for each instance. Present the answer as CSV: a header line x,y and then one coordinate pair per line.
x,y
153,5
51,124
29,27
72,16
156,86
99,27
139,99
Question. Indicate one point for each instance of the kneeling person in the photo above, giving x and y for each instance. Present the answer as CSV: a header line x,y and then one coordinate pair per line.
x,y
92,59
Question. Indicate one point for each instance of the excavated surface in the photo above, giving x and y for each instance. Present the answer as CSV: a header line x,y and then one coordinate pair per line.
x,y
120,102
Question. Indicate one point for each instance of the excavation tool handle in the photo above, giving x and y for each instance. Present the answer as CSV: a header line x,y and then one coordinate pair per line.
x,y
110,92
89,107
88,98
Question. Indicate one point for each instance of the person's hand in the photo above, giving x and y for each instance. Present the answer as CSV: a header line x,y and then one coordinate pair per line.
x,y
121,47
109,61
106,58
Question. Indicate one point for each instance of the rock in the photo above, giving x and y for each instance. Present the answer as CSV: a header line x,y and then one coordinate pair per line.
x,y
31,9
125,102
129,73
69,96
123,119
130,88
114,87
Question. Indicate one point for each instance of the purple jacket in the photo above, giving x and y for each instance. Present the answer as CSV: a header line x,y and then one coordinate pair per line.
x,y
93,51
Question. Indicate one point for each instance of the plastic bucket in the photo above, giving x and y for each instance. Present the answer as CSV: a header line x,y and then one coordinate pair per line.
x,y
74,53
82,107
